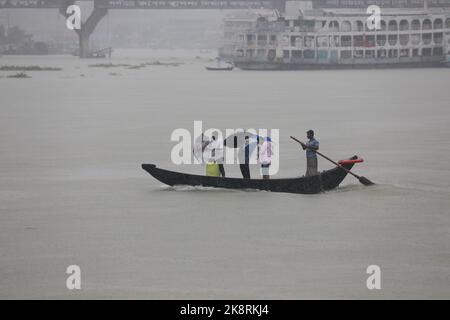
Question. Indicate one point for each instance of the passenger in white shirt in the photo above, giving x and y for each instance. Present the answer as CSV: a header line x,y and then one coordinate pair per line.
x,y
265,157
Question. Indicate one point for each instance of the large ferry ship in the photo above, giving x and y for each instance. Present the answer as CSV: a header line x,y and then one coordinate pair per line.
x,y
333,38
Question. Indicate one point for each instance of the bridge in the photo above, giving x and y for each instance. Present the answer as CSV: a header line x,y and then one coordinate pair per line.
x,y
101,8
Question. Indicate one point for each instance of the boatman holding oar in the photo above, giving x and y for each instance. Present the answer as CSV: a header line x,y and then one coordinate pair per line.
x,y
311,157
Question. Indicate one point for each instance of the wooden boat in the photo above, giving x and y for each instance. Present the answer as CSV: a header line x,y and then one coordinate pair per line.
x,y
326,180
221,66
229,68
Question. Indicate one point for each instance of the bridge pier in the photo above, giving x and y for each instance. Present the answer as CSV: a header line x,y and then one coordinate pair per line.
x,y
87,27
101,9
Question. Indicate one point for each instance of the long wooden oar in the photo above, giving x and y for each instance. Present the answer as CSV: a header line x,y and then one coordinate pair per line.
x,y
361,179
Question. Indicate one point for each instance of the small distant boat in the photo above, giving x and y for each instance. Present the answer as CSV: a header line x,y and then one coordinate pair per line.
x,y
98,54
220,69
326,180
221,66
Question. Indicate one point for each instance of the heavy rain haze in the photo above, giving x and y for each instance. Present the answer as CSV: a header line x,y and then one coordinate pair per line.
x,y
162,29
90,176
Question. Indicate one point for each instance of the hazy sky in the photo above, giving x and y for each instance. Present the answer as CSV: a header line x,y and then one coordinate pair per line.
x,y
158,25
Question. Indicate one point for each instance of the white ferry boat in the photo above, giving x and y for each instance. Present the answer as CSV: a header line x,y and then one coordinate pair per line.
x,y
336,38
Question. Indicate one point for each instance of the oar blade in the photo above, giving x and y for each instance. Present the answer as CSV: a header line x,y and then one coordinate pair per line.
x,y
365,181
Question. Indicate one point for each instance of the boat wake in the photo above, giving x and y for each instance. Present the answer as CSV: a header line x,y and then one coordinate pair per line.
x,y
422,188
186,188
391,189
349,187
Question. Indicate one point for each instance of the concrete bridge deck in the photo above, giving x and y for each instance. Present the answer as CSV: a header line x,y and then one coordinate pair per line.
x,y
144,4
219,4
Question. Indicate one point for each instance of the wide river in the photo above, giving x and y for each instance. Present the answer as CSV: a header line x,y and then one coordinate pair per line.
x,y
72,191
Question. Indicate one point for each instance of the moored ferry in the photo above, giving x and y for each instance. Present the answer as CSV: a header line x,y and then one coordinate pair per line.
x,y
332,38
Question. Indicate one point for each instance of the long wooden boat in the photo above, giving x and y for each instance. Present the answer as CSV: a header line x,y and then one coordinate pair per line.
x,y
326,180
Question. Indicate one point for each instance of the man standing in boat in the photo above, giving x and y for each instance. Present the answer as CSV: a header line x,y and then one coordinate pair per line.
x,y
245,167
311,157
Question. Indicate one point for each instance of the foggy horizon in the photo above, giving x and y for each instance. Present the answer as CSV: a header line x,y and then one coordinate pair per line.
x,y
193,156
128,28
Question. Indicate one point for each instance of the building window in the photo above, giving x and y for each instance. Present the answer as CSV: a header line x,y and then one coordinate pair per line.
x,y
250,39
370,54
334,55
296,54
262,40
404,25
333,26
296,41
273,39
309,54
438,51
426,52
323,41
358,41
392,26
438,37
309,41
415,39
293,41
404,53
358,53
359,25
426,25
370,41
381,40
404,39
426,38
346,41
334,41
438,24
381,53
392,53
322,54
346,54
346,26
261,52
392,39
415,25
286,54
